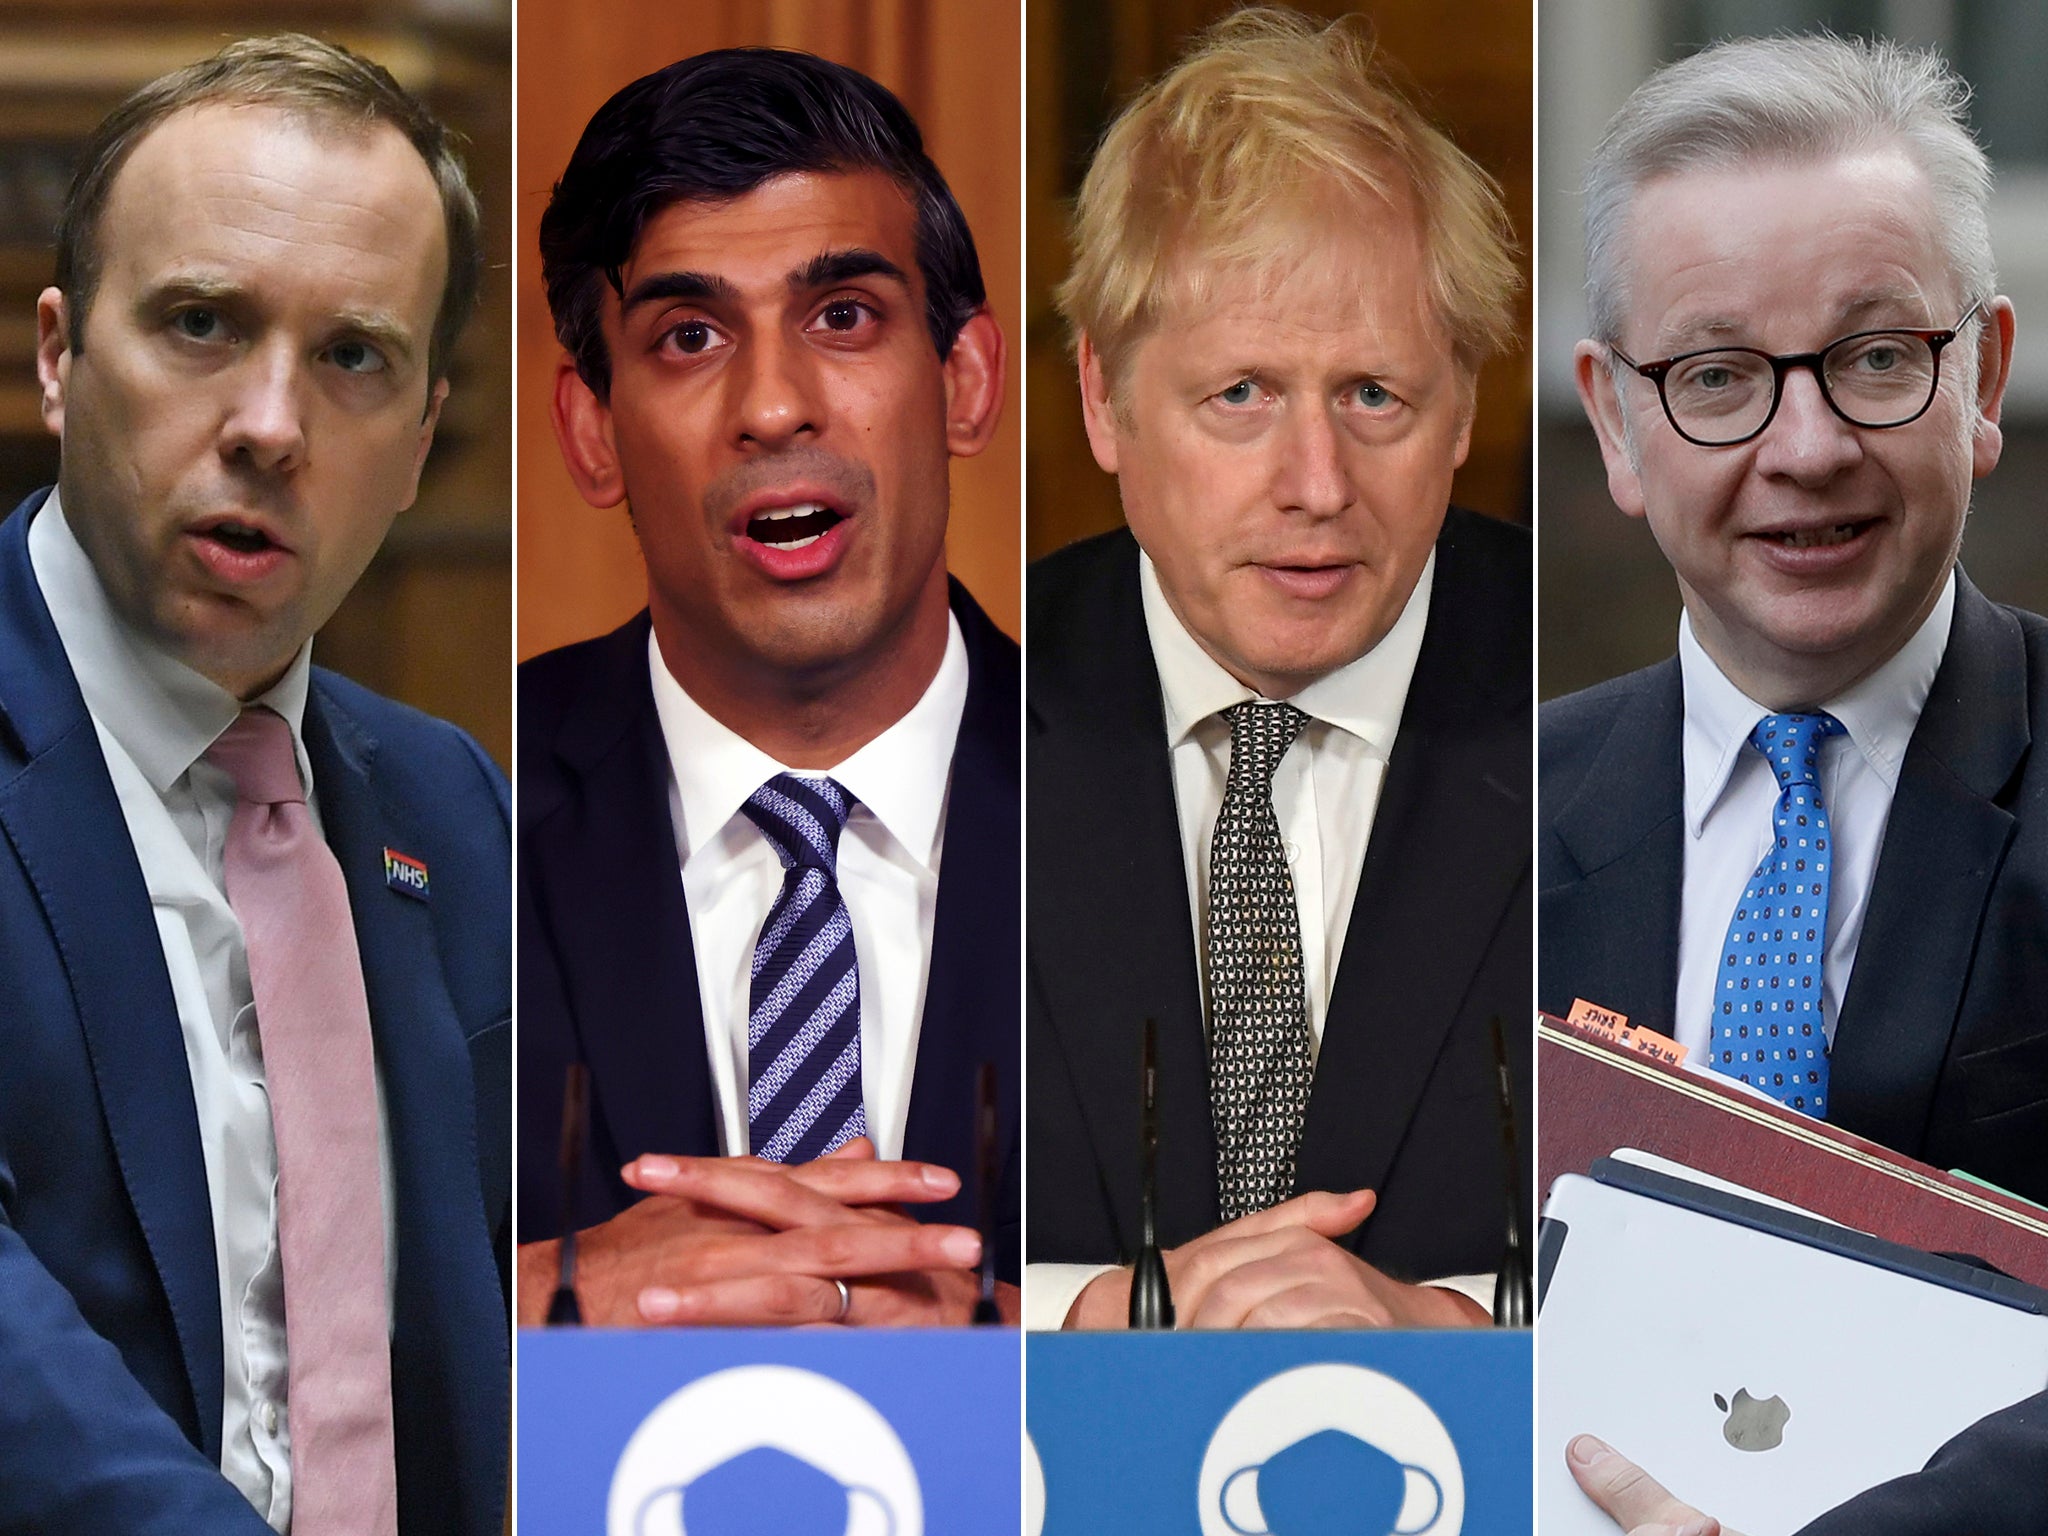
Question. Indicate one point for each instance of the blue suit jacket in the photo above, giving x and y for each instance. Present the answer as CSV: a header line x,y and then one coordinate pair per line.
x,y
1941,1050
110,1329
608,976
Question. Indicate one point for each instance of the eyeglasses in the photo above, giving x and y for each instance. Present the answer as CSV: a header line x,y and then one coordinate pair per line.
x,y
1728,395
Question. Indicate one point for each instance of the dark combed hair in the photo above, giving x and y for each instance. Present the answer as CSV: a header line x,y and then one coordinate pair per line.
x,y
715,127
297,74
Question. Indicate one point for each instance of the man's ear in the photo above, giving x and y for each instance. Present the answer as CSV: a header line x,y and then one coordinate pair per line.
x,y
436,398
1098,411
1603,408
53,356
974,385
1994,372
583,429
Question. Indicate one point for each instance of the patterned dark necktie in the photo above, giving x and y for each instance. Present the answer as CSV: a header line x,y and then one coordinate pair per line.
x,y
1768,1020
1259,1069
803,1021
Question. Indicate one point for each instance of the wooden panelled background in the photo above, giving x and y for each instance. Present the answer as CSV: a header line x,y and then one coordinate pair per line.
x,y
1469,61
431,621
955,66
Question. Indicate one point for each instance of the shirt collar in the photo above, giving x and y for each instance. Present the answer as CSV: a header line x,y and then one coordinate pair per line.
x,y
900,777
164,714
1364,697
1878,714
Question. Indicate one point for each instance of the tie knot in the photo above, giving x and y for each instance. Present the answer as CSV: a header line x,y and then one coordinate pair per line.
x,y
1260,734
1791,745
802,819
256,752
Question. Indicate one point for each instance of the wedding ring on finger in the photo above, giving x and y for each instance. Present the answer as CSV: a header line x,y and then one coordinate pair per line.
x,y
845,1300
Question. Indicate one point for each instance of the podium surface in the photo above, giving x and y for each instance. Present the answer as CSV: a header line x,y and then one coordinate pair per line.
x,y
839,1432
1292,1434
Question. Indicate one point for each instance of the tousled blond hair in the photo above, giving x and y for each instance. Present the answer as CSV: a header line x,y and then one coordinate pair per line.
x,y
1228,156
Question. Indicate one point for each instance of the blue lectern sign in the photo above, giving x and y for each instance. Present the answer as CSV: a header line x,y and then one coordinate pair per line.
x,y
1391,1434
728,1433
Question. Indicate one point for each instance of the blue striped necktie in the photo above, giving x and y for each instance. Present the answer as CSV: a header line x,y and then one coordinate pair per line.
x,y
1769,1025
803,1020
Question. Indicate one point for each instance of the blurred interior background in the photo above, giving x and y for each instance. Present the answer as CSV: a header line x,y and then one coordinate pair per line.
x,y
431,621
1608,601
953,64
1467,62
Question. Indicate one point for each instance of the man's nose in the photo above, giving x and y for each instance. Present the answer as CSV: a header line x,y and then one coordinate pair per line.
x,y
1806,441
266,420
776,395
1312,476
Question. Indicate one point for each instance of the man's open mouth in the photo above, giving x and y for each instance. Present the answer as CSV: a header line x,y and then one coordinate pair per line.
x,y
240,537
792,527
1819,538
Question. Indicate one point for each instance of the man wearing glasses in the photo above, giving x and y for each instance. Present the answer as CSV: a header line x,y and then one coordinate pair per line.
x,y
1796,371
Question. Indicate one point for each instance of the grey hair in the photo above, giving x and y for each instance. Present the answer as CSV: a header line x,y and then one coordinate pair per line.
x,y
1789,99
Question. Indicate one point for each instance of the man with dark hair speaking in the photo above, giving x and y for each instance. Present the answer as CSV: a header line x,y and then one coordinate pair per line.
x,y
254,1158
733,809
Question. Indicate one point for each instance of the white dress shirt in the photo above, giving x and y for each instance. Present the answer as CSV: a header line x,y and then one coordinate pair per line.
x,y
155,718
888,878
1731,795
1326,791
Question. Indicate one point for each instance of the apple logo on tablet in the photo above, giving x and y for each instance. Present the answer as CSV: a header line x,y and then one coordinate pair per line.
x,y
1753,1425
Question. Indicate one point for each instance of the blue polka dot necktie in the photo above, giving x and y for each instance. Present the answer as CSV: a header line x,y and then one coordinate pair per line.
x,y
1769,1024
803,1023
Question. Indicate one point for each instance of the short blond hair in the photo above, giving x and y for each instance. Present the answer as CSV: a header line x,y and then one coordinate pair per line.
x,y
1223,156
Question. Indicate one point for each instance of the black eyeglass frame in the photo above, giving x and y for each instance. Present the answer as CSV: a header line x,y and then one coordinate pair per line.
x,y
1936,340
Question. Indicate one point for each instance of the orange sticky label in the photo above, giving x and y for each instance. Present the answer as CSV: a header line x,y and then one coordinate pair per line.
x,y
1615,1029
1603,1020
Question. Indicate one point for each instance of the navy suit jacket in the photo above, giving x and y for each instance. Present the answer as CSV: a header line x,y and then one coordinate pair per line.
x,y
110,1328
608,974
1941,1050
1405,1096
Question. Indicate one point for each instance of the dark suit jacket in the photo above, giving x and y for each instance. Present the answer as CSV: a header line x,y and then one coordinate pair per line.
x,y
1405,1090
110,1329
1941,1050
608,975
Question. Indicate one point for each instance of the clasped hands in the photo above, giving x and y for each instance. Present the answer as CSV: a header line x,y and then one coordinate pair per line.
x,y
739,1242
1280,1268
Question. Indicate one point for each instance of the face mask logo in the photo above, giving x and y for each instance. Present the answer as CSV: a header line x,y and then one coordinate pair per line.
x,y
1331,1484
1329,1448
764,1492
764,1450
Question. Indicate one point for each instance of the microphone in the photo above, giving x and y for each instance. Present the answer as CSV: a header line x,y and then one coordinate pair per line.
x,y
1514,1295
563,1307
1151,1297
985,1309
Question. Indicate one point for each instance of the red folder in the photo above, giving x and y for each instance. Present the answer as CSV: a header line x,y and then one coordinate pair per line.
x,y
1596,1096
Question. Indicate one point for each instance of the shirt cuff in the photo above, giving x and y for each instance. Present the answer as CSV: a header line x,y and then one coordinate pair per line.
x,y
1479,1287
1050,1291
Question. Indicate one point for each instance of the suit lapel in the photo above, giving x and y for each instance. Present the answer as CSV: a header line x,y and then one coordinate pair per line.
x,y
62,816
1624,830
615,905
448,1314
1123,928
970,1015
1449,849
1943,845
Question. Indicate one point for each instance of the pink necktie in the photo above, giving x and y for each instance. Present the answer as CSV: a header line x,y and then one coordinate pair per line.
x,y
314,1023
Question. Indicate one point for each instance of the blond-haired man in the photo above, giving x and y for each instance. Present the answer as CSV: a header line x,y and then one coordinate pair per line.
x,y
1279,728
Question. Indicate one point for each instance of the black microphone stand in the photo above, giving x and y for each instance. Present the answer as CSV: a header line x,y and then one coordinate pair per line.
x,y
1151,1297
